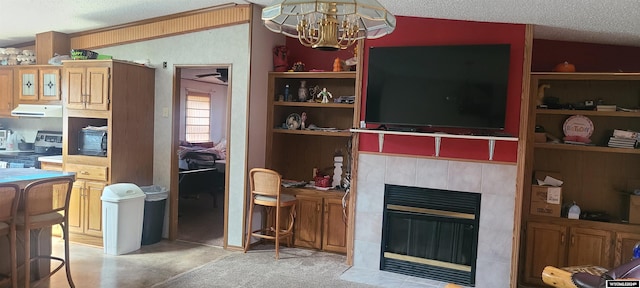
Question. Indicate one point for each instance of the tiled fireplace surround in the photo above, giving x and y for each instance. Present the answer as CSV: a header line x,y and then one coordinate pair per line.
x,y
496,182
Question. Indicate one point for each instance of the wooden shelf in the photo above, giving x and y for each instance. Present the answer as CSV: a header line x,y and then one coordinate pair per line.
x,y
315,75
586,148
337,133
437,137
586,76
587,113
313,104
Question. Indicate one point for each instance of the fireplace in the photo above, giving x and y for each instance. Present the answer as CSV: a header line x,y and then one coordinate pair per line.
x,y
430,233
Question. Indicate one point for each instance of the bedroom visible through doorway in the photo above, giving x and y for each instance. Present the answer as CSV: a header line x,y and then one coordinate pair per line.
x,y
202,104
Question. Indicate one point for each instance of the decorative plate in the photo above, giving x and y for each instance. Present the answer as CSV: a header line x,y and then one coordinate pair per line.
x,y
578,126
293,121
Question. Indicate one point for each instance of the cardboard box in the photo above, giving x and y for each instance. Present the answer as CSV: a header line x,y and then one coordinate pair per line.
x,y
546,194
546,200
634,209
545,209
543,174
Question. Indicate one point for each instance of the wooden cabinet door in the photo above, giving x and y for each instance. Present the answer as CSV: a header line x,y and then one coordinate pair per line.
x,y
28,84
623,252
75,207
93,208
74,86
589,247
97,88
546,246
6,91
308,222
334,236
49,84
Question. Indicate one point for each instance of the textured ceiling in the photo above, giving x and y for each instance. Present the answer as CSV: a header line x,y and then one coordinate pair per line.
x,y
614,22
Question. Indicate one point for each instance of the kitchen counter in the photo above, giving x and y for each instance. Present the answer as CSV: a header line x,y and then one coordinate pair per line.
x,y
51,159
23,176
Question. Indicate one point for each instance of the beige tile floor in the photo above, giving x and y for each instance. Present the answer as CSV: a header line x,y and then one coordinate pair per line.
x,y
152,264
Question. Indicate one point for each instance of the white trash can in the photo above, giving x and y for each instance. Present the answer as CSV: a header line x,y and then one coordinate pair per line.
x,y
122,215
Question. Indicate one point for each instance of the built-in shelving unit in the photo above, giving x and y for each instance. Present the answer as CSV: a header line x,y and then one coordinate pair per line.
x,y
595,176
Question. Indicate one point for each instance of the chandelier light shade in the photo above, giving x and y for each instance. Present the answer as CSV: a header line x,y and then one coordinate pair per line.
x,y
329,25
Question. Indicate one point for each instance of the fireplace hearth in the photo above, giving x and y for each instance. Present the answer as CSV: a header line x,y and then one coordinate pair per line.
x,y
430,233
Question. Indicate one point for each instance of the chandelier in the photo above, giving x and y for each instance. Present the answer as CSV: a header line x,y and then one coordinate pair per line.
x,y
329,25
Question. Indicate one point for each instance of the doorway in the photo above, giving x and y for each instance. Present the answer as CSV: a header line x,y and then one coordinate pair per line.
x,y
202,98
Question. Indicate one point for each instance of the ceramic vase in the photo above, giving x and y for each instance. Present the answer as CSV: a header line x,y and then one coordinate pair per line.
x,y
303,93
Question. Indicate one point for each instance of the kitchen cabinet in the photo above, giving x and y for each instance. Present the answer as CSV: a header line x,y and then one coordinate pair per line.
x,y
6,91
545,246
589,247
562,242
39,84
85,208
118,96
334,228
625,241
320,223
87,86
308,223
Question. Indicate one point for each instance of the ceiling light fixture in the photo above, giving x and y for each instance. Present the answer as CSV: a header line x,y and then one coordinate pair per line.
x,y
329,25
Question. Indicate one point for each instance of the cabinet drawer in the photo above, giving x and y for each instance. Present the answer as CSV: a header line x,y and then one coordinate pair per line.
x,y
88,171
51,166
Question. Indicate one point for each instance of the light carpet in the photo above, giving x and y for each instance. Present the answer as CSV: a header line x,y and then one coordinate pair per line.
x,y
259,268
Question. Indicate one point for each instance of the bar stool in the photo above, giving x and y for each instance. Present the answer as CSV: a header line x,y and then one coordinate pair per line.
x,y
46,203
265,191
9,197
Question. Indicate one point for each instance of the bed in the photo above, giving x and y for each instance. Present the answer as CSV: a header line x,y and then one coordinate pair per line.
x,y
201,169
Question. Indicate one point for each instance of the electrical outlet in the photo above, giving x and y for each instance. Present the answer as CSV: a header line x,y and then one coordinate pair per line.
x,y
164,65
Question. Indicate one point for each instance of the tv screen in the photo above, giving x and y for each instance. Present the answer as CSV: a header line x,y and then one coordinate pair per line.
x,y
461,86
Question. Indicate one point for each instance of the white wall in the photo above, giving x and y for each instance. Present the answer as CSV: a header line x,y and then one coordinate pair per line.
x,y
227,45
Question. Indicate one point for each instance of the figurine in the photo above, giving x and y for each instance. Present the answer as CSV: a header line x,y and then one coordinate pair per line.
x,y
325,95
303,118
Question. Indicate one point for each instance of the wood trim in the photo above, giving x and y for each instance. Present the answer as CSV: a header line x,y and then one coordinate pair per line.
x,y
524,152
175,24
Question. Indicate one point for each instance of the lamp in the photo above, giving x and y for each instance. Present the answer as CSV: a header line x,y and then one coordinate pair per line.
x,y
329,25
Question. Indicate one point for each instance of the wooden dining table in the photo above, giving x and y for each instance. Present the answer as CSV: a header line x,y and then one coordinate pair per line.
x,y
22,177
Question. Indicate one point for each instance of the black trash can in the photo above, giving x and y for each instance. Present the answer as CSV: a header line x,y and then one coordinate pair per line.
x,y
154,207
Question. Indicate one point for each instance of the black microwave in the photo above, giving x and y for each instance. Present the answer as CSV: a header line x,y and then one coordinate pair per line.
x,y
92,142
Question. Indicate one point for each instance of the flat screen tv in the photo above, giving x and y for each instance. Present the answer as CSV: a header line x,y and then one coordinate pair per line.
x,y
461,86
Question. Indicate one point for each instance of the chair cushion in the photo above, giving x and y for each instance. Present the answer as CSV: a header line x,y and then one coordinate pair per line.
x,y
42,220
284,198
4,228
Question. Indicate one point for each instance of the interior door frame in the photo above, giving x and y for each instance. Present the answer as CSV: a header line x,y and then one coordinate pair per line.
x,y
175,143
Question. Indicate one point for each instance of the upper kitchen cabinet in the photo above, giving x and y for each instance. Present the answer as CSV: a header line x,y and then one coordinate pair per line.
x,y
38,84
87,84
6,91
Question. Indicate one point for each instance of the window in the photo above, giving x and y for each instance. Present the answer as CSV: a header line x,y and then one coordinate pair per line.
x,y
198,115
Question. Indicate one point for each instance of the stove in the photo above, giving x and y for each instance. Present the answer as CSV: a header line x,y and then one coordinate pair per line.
x,y
47,143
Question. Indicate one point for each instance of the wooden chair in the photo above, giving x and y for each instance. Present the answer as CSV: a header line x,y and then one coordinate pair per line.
x,y
9,198
46,203
265,191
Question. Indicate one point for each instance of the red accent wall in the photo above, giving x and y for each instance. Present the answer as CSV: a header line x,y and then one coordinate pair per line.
x,y
586,57
412,31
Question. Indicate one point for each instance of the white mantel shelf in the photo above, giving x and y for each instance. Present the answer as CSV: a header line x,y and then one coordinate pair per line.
x,y
437,136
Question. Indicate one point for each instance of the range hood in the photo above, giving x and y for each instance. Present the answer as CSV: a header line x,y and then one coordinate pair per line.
x,y
32,110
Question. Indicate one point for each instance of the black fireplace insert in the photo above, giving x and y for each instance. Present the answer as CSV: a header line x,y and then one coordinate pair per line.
x,y
430,233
